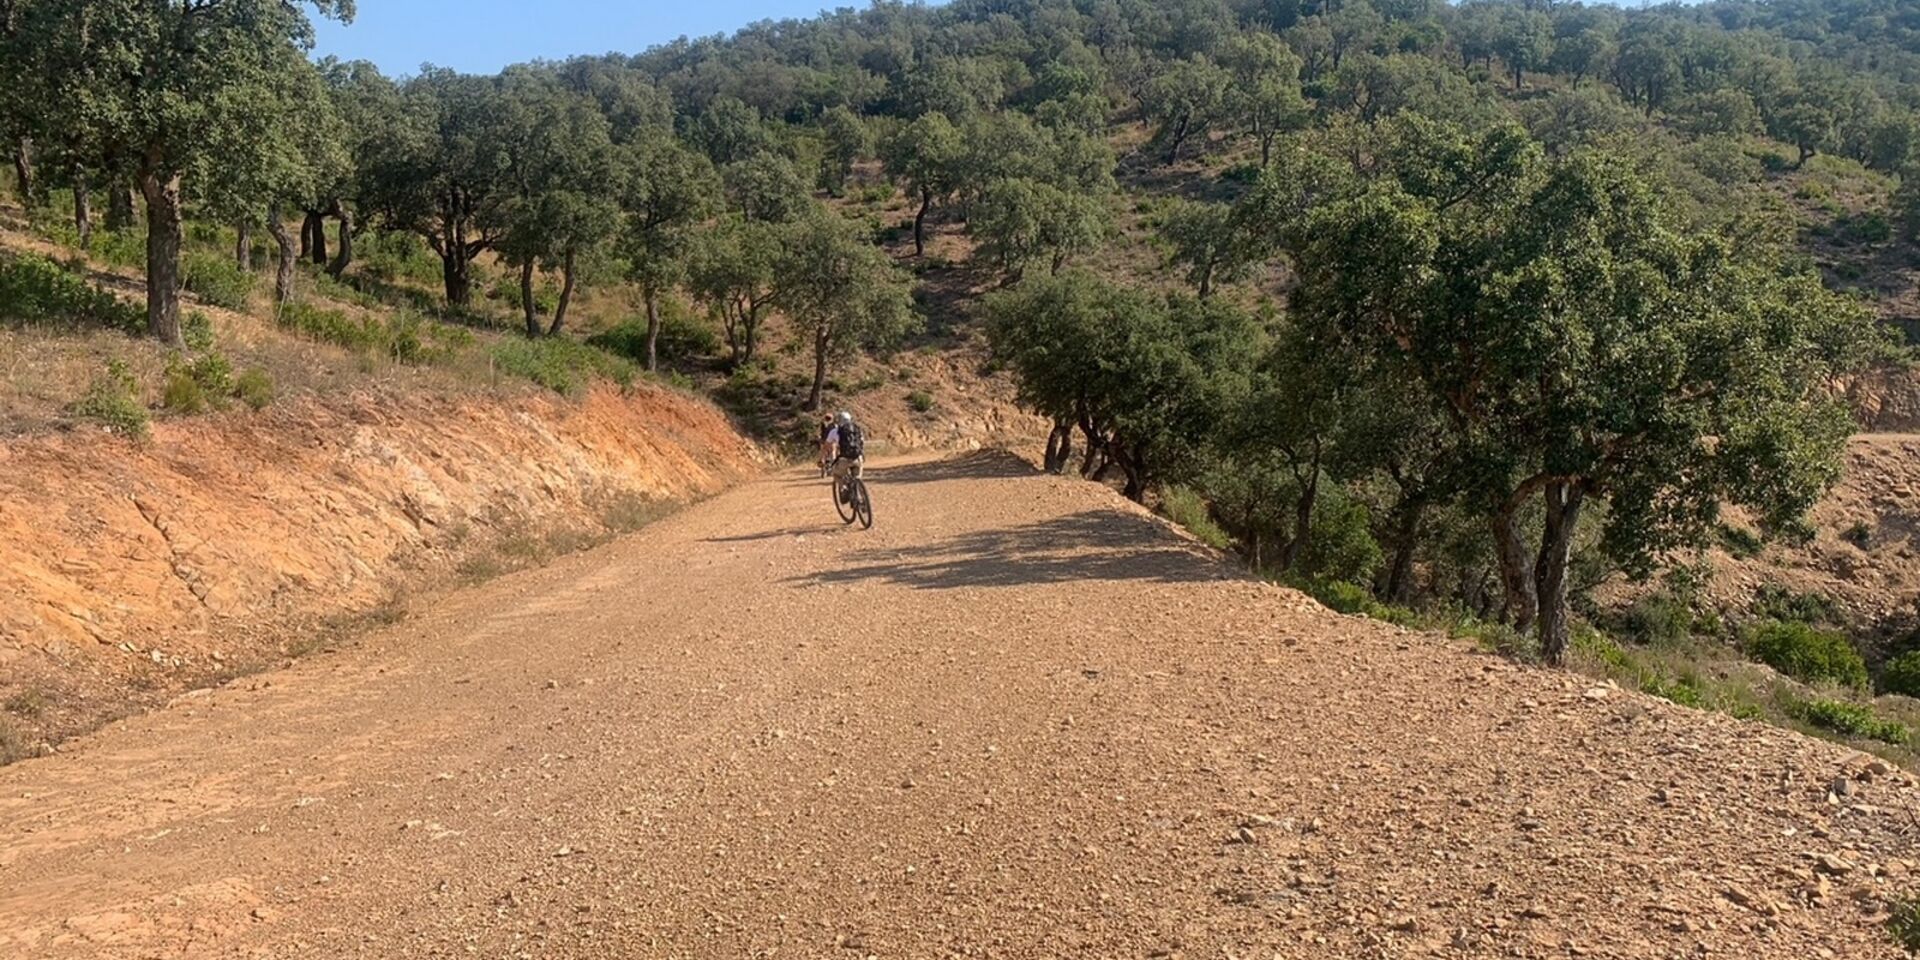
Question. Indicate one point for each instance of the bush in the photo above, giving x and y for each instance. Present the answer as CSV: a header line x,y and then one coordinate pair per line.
x,y
920,400
402,337
1774,602
561,365
1742,543
112,402
121,248
196,329
34,289
1185,507
1901,675
1657,618
1859,534
254,387
1807,654
506,290
197,386
215,279
1341,547
391,256
1903,922
1850,719
681,337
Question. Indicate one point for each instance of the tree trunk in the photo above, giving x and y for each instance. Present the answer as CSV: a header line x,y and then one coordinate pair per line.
x,y
288,256
1563,499
1406,533
821,339
566,295
82,206
319,228
920,223
526,299
1206,280
750,330
242,246
456,271
23,173
164,236
343,257
1059,445
120,212
306,237
1516,568
1516,79
653,329
1302,523
1178,137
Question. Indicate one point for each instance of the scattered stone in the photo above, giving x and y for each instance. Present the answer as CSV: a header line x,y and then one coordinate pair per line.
x,y
1597,694
1832,866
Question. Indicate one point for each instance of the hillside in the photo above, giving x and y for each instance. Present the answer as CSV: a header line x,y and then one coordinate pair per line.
x,y
746,730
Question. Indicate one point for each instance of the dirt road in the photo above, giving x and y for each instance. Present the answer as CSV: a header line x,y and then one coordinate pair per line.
x,y
1016,719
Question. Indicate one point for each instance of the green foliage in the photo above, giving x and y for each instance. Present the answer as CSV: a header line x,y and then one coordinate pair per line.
x,y
34,289
1849,719
200,385
1903,922
217,280
1774,602
1658,618
391,256
920,401
254,387
401,337
1901,674
562,365
683,336
112,400
1807,654
1185,507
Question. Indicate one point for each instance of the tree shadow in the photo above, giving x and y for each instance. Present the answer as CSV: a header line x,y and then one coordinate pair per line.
x,y
979,465
774,534
1093,545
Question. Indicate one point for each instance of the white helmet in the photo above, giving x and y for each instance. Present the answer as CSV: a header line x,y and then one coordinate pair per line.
x,y
844,418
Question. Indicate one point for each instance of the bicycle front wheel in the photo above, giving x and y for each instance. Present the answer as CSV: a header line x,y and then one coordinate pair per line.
x,y
862,504
843,501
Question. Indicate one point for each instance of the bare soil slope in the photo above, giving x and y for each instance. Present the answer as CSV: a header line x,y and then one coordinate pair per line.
x,y
1019,718
148,565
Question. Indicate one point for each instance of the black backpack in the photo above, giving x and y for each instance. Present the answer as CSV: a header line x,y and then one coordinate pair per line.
x,y
853,445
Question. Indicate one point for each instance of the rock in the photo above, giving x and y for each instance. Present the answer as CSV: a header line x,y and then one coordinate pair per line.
x,y
1832,866
1536,912
1597,694
1243,835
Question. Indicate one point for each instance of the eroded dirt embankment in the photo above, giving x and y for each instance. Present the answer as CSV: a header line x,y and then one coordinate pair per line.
x,y
129,567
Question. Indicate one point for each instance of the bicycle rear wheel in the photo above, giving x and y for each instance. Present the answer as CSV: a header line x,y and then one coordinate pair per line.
x,y
862,504
843,501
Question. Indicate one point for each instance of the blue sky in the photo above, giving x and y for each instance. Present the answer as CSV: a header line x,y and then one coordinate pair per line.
x,y
484,35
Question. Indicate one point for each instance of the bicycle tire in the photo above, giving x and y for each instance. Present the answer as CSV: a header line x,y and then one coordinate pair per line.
x,y
862,504
843,505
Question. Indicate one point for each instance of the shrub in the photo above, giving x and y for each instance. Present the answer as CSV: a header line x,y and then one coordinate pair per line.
x,y
1774,602
1807,654
1903,922
217,280
34,289
1742,543
682,336
1901,674
197,386
1341,546
1850,719
391,256
112,402
920,400
506,290
196,328
121,248
1859,534
561,365
403,337
1658,618
1185,507
254,387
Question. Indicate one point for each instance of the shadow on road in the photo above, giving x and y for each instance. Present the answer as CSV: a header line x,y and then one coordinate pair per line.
x,y
1095,545
980,465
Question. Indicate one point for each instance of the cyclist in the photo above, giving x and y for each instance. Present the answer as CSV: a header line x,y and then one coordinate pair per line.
x,y
845,447
826,444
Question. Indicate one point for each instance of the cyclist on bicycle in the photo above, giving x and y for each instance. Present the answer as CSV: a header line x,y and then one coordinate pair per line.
x,y
846,443
826,444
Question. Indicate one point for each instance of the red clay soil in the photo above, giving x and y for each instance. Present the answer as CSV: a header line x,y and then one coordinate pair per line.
x,y
153,561
1018,718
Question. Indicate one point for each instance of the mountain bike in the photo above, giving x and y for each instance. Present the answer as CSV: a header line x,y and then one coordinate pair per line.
x,y
851,501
